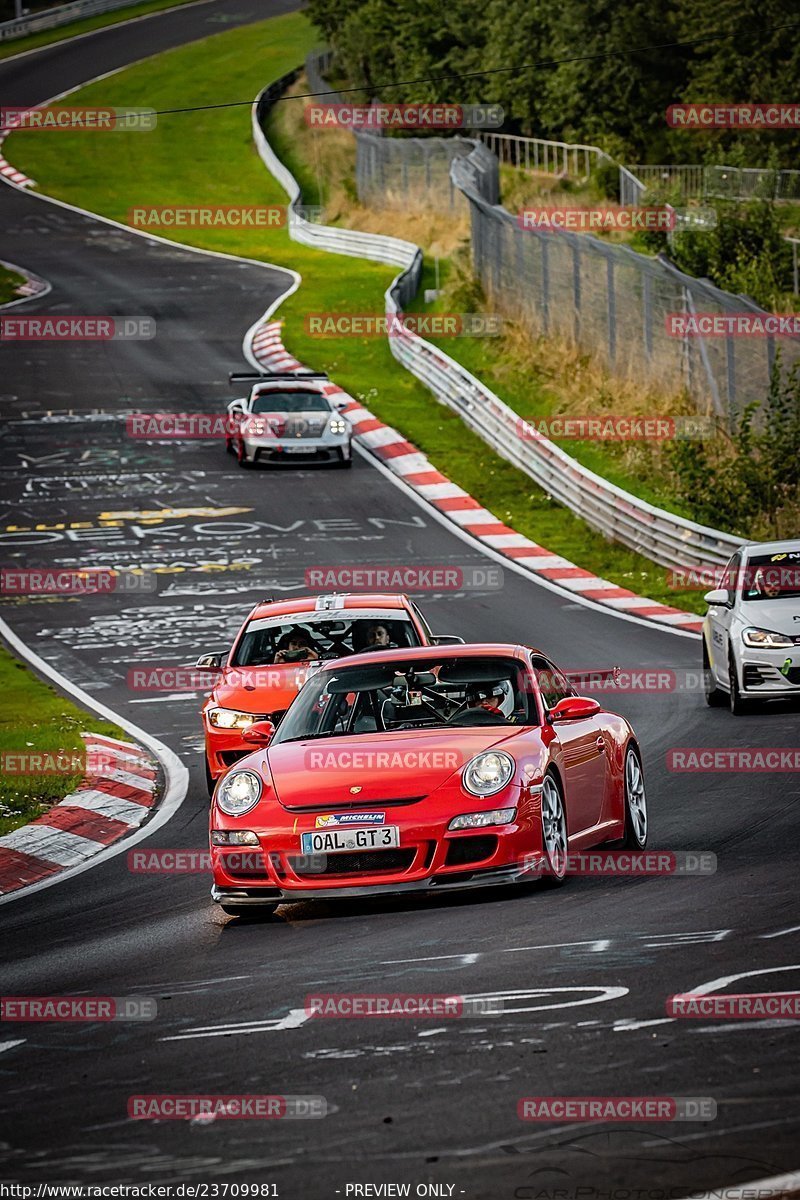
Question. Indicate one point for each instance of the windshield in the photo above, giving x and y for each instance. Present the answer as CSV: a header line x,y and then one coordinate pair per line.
x,y
407,695
772,576
289,402
322,635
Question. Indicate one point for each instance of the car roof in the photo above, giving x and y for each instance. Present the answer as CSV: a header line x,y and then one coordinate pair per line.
x,y
335,601
789,546
422,653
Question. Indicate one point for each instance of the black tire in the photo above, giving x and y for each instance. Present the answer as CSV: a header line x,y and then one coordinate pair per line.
x,y
635,836
210,780
249,912
715,697
343,462
739,707
241,457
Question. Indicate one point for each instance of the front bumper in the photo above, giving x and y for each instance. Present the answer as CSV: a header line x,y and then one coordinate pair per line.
x,y
478,878
329,446
428,858
765,673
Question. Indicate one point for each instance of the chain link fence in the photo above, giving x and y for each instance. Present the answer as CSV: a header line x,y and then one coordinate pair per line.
x,y
602,297
619,305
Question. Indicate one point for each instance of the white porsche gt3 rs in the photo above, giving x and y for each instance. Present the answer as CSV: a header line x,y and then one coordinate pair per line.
x,y
751,633
288,417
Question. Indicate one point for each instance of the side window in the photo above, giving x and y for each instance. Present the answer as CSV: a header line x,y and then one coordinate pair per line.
x,y
728,581
553,684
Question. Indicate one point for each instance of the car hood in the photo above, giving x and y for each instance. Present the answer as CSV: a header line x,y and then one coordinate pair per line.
x,y
781,616
259,690
321,772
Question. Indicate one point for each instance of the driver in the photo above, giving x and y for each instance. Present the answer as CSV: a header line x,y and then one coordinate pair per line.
x,y
767,585
379,638
295,646
498,698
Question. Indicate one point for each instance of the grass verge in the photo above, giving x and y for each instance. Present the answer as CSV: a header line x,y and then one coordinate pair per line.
x,y
55,728
45,37
179,163
9,282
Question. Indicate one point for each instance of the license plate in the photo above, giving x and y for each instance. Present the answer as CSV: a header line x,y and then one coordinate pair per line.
x,y
295,450
337,841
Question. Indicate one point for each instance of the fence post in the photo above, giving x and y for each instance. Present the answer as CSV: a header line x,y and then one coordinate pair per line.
x,y
542,239
612,309
647,315
576,288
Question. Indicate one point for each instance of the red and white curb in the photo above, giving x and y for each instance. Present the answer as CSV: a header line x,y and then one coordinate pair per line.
x,y
33,287
108,804
10,172
415,469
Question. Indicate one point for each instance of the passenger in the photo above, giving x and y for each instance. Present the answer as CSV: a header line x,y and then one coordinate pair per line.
x,y
295,647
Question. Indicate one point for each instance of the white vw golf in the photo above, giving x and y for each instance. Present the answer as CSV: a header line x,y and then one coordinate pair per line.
x,y
751,633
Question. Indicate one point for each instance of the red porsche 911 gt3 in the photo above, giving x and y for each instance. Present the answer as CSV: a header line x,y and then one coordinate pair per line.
x,y
424,769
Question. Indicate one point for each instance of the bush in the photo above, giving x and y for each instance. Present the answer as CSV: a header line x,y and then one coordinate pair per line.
x,y
750,483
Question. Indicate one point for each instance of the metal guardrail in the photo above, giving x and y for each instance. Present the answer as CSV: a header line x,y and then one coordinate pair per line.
x,y
49,18
665,538
564,160
694,181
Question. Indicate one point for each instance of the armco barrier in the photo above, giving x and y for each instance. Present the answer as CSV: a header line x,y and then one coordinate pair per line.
x,y
666,539
50,18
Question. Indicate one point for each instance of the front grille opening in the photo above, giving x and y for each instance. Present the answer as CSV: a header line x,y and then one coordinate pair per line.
x,y
245,863
229,757
361,862
346,803
470,850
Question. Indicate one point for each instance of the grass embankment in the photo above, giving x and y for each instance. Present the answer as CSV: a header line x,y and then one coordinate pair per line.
x,y
45,37
181,163
55,729
9,282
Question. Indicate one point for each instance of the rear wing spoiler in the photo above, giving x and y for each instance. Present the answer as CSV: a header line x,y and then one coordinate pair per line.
x,y
268,377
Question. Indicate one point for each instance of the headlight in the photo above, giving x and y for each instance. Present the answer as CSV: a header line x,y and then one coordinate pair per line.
x,y
239,792
765,637
487,773
337,425
230,718
234,837
495,816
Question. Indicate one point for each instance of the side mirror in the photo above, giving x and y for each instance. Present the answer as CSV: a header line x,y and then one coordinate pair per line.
x,y
237,406
209,662
340,404
260,733
446,639
574,708
717,596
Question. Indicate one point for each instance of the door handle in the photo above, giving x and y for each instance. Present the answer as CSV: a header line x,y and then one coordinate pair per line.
x,y
601,745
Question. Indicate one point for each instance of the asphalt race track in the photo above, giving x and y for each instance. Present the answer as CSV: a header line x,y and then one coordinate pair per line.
x,y
408,1101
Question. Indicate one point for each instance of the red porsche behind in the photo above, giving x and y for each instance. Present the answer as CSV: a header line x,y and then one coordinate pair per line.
x,y
276,648
424,770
